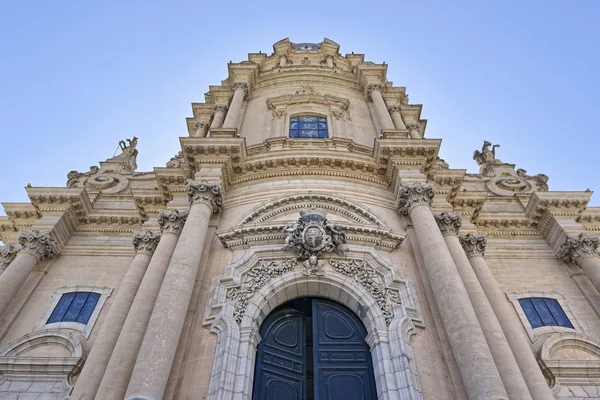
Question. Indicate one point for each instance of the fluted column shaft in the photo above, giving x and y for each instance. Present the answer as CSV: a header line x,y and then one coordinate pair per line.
x,y
219,110
156,355
473,356
396,116
119,369
95,364
374,90
508,368
513,331
235,108
35,246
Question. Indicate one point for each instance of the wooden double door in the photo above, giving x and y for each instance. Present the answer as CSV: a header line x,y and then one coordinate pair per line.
x,y
313,349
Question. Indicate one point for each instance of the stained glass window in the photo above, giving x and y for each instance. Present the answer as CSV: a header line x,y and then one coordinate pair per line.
x,y
308,126
74,307
544,312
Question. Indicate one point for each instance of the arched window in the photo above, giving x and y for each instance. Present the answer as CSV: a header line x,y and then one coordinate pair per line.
x,y
308,126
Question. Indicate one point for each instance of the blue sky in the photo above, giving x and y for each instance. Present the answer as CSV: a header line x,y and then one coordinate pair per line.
x,y
77,77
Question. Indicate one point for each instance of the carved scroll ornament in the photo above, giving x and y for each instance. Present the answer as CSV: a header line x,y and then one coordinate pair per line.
x,y
412,194
145,241
205,192
40,244
449,223
171,221
576,249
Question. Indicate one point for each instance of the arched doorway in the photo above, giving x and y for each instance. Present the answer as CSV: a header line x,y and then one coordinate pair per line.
x,y
313,348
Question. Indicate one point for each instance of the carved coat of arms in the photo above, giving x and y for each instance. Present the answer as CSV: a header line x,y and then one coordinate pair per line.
x,y
311,235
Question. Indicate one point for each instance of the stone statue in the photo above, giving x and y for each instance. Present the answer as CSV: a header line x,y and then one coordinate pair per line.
x,y
127,157
486,156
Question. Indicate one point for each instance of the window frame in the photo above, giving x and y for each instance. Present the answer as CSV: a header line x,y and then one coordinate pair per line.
x,y
307,114
535,333
85,329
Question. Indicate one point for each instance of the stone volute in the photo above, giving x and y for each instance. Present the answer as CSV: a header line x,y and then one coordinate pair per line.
x,y
449,223
171,220
145,242
473,244
206,192
577,249
39,244
7,255
412,194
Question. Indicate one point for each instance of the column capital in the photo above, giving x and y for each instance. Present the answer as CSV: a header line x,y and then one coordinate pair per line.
x,y
413,194
473,244
414,125
577,249
394,108
7,254
241,85
201,128
377,87
145,241
40,244
449,223
171,220
222,108
206,192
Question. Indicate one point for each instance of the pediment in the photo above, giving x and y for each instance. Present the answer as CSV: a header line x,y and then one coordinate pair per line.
x,y
264,224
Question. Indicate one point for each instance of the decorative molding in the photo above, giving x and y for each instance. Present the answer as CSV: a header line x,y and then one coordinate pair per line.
x,y
366,276
84,329
7,255
39,244
172,220
449,223
577,249
205,192
256,278
311,235
220,108
145,241
473,244
413,194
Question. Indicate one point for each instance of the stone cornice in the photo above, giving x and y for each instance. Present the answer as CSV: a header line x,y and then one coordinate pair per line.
x,y
40,244
544,207
469,203
473,244
7,228
240,237
447,181
171,220
150,201
171,180
145,241
449,223
411,194
576,249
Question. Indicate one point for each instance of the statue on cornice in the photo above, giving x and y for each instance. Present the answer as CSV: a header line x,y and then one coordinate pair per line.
x,y
486,156
127,157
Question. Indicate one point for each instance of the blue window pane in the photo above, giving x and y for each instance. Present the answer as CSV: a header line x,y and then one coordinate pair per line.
x,y
76,306
322,134
543,312
322,125
293,125
88,308
308,125
532,315
309,133
61,308
294,119
558,313
308,119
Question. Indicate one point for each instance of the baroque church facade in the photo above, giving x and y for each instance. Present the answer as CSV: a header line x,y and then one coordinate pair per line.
x,y
307,242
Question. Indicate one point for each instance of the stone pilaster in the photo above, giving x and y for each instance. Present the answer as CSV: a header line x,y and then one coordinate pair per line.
x,y
240,90
474,247
119,369
200,128
473,357
35,246
144,243
157,352
219,115
374,91
583,251
449,224
395,111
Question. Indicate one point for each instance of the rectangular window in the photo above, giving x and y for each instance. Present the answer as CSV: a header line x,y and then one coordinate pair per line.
x,y
544,312
308,126
75,307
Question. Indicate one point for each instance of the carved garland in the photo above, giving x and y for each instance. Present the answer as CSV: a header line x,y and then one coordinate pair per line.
x,y
256,278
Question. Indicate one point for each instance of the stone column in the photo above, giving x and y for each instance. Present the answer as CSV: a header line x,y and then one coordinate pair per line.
x,y
473,356
155,359
394,111
119,369
374,91
87,384
508,368
240,89
35,246
474,246
414,130
7,255
220,110
201,128
583,251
